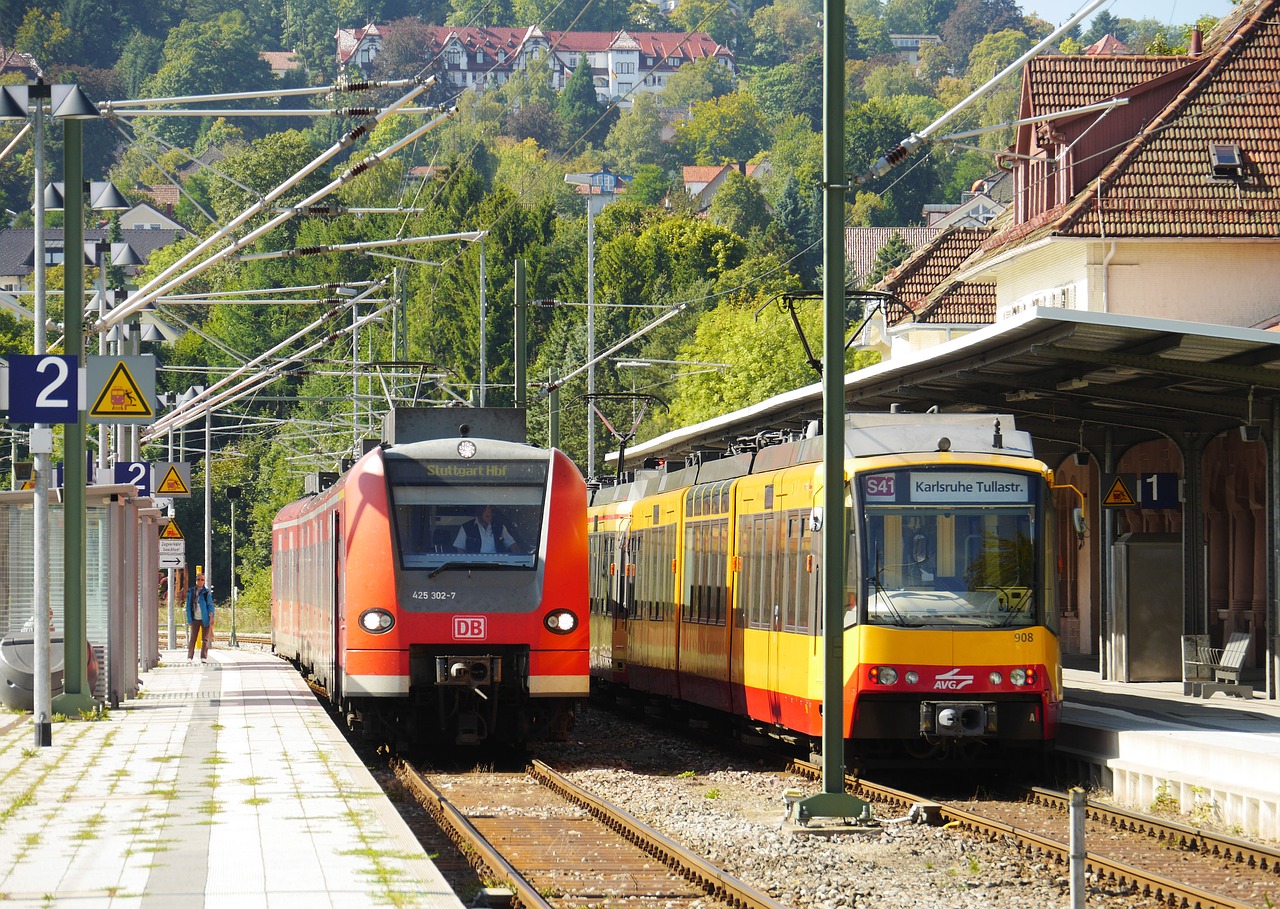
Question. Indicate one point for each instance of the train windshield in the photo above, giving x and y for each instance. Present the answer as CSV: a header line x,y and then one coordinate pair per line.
x,y
951,548
478,514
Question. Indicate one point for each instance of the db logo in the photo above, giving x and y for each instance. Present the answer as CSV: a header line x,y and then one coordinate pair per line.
x,y
470,627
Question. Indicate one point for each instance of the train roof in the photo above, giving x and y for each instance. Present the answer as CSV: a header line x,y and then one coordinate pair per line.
x,y
865,435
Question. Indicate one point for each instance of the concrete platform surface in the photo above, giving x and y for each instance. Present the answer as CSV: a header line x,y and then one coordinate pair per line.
x,y
1217,758
222,785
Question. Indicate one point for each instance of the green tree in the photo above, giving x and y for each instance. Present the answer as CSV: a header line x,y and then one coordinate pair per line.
x,y
217,56
888,257
739,205
789,88
649,184
702,80
581,115
404,50
262,166
141,56
636,139
44,37
786,30
726,129
721,21
970,20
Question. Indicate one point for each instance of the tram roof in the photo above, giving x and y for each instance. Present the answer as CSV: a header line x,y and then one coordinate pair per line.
x,y
1069,377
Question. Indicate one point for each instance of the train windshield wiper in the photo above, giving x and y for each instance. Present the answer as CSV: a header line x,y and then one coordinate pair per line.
x,y
447,565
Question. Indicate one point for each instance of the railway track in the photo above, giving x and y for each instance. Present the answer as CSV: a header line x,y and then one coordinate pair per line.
x,y
1178,865
556,846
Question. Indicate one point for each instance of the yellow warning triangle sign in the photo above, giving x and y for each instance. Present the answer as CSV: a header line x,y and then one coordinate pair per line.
x,y
29,483
172,485
1119,494
171,532
121,397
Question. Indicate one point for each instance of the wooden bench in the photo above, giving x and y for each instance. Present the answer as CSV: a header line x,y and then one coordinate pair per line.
x,y
1206,670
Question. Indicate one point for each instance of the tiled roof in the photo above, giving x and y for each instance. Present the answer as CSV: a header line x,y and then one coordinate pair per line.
x,y
1061,83
1160,186
12,61
1107,44
920,284
164,194
862,244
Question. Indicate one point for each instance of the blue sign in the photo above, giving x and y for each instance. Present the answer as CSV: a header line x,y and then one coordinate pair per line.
x,y
136,472
44,389
1158,490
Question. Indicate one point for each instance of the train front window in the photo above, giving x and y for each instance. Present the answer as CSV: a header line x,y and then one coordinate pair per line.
x,y
954,549
477,514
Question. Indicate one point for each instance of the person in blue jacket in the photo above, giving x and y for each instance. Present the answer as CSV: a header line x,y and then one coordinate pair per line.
x,y
199,619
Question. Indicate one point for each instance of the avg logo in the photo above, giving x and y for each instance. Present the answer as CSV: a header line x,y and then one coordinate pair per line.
x,y
953,680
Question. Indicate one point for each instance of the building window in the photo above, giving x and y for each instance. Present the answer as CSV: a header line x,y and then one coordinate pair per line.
x,y
673,61
625,69
479,56
454,56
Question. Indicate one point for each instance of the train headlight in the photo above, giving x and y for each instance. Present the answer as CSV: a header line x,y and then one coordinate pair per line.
x,y
884,675
1018,677
996,678
376,621
562,621
912,677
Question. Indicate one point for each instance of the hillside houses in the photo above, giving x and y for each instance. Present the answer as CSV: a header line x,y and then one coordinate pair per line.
x,y
621,63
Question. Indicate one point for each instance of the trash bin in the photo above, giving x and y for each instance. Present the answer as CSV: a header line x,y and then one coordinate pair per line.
x,y
18,668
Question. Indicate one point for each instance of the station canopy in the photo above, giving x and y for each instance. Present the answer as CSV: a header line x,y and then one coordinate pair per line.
x,y
1066,376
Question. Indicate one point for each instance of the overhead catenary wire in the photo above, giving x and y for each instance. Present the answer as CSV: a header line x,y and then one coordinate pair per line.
x,y
164,282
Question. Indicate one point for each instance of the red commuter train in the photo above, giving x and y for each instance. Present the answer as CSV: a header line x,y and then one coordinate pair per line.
x,y
422,621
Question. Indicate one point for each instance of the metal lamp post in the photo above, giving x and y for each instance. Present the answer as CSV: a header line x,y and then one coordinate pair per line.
x,y
233,494
69,104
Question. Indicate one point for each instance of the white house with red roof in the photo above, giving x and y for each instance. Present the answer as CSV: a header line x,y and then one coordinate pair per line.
x,y
622,63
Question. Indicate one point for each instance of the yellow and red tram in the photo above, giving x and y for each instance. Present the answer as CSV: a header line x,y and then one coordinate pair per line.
x,y
707,595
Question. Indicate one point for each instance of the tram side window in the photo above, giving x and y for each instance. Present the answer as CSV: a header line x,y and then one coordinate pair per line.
x,y
720,539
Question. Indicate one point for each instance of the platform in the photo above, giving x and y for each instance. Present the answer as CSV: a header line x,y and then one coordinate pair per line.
x,y
222,785
1152,745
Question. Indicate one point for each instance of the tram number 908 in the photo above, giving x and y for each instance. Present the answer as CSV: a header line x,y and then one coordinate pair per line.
x,y
1024,637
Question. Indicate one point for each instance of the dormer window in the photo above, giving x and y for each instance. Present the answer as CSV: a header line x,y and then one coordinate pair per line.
x,y
1224,161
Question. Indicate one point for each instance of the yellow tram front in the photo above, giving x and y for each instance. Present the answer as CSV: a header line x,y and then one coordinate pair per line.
x,y
950,628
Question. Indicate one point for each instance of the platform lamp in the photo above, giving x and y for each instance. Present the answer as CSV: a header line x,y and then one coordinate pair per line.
x,y
69,104
73,106
233,495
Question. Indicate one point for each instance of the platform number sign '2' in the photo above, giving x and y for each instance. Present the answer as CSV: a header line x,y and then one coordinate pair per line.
x,y
44,389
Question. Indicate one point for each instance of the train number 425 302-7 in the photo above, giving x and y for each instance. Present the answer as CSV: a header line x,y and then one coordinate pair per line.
x,y
434,594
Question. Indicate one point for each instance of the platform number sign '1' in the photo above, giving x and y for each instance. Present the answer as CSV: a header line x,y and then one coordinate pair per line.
x,y
44,389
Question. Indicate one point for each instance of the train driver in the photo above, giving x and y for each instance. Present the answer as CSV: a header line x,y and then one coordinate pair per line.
x,y
483,534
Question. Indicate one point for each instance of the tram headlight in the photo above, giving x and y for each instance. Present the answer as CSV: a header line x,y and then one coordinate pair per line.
x,y
561,621
996,678
884,675
911,677
1018,677
376,621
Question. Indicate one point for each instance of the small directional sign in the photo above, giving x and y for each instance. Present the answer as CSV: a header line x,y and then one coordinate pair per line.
x,y
1120,489
172,561
136,472
172,479
121,389
44,389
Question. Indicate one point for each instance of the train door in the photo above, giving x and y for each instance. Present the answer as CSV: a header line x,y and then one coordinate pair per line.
x,y
624,601
774,606
337,598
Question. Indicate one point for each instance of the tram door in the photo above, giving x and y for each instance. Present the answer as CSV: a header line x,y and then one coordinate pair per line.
x,y
770,590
